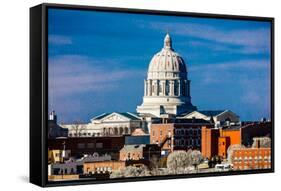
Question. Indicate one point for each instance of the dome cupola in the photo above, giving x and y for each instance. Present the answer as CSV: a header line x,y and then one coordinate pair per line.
x,y
167,42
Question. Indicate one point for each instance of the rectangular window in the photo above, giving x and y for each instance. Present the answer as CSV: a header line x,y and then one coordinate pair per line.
x,y
90,145
99,145
81,145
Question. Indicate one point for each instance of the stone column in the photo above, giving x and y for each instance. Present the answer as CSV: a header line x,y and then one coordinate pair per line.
x,y
149,88
145,88
166,89
179,87
152,87
156,87
121,131
163,87
172,87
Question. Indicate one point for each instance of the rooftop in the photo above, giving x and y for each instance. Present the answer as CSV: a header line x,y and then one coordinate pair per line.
x,y
129,115
211,112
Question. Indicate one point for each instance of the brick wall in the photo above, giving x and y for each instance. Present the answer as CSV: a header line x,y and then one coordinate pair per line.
x,y
209,142
251,158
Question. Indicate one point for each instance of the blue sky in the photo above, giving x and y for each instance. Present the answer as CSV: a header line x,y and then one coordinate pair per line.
x,y
98,61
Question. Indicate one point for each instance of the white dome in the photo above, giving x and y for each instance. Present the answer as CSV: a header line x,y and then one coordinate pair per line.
x,y
165,62
167,88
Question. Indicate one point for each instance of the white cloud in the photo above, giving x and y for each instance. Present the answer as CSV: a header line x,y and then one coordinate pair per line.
x,y
250,40
244,86
261,64
74,74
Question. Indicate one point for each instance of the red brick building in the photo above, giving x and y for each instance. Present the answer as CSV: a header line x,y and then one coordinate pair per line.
x,y
89,145
251,158
209,142
139,152
223,144
178,135
217,141
228,136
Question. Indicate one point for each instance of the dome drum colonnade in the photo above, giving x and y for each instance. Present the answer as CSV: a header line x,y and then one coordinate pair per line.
x,y
167,85
166,88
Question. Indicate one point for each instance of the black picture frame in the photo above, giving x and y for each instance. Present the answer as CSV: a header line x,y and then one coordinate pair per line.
x,y
39,92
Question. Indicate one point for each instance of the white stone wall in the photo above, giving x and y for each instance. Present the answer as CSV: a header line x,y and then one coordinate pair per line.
x,y
104,129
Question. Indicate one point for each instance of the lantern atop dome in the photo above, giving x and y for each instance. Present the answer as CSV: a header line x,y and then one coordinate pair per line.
x,y
167,42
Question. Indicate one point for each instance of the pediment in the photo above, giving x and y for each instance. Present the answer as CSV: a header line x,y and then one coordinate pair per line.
x,y
115,117
195,114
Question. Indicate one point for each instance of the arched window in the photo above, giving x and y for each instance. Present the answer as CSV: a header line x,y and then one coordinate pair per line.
x,y
167,90
182,132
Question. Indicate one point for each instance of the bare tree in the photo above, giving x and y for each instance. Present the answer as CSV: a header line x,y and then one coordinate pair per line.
x,y
154,162
195,158
131,171
177,161
163,162
78,128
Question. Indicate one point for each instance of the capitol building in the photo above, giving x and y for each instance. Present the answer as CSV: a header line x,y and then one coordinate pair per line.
x,y
166,95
